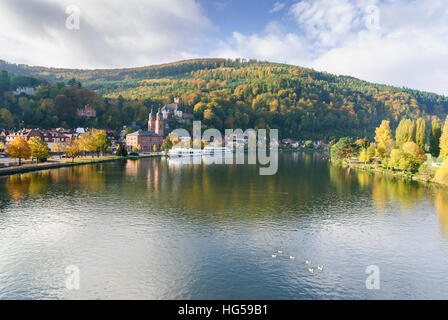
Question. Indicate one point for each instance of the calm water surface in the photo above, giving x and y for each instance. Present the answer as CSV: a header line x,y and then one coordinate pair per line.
x,y
160,229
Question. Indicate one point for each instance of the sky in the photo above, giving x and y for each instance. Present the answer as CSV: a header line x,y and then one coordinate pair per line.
x,y
397,42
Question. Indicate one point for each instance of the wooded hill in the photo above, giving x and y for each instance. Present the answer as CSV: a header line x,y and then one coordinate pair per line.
x,y
301,102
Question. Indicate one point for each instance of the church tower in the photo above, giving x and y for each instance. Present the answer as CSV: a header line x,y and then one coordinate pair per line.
x,y
159,124
152,122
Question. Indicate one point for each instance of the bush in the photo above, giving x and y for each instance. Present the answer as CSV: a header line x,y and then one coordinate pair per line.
x,y
133,154
121,152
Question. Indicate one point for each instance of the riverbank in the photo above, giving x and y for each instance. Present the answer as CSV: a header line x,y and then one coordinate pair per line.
x,y
427,177
55,164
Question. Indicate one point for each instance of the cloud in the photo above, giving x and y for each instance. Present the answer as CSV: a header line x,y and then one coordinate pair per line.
x,y
273,45
111,34
278,6
393,42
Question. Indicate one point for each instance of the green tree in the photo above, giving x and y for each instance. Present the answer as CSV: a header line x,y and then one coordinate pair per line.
x,y
434,138
39,149
121,151
409,158
344,149
406,132
420,134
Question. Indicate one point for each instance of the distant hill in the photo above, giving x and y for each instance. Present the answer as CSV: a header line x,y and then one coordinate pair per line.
x,y
301,102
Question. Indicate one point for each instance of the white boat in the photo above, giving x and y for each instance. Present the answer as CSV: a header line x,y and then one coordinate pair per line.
x,y
184,152
210,151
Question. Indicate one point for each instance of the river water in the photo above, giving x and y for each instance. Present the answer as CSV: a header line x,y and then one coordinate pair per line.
x,y
170,229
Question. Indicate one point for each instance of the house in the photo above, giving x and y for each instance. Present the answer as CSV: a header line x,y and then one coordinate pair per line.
x,y
87,112
146,140
51,137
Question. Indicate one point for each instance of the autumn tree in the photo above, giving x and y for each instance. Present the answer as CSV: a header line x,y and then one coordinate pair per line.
x,y
408,158
19,149
405,132
384,138
364,156
434,138
73,150
420,133
59,147
39,149
444,141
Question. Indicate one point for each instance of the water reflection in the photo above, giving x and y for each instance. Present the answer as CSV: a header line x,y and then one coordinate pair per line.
x,y
171,228
441,200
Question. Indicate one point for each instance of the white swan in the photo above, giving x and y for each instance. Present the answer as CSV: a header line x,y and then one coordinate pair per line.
x,y
308,262
274,256
320,268
311,270
292,257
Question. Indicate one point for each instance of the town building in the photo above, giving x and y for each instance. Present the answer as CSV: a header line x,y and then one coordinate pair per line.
x,y
87,112
144,140
175,110
49,136
156,123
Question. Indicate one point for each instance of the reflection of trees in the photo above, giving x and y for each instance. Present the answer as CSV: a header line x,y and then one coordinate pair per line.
x,y
405,192
341,178
18,186
89,177
441,201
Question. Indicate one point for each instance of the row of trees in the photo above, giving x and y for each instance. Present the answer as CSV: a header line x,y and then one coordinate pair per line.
x,y
406,152
93,141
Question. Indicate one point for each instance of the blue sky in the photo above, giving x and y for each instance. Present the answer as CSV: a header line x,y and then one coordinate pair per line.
x,y
398,42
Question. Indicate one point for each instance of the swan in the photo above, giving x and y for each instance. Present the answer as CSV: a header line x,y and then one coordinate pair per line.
x,y
320,268
292,257
308,262
274,256
311,270
280,251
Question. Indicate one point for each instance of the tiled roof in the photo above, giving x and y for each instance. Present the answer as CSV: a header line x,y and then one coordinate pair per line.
x,y
144,133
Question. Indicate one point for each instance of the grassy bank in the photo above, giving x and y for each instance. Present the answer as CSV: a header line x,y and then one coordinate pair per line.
x,y
427,176
62,163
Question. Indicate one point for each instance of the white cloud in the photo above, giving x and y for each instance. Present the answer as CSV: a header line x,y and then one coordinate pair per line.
x,y
111,33
273,45
409,49
278,6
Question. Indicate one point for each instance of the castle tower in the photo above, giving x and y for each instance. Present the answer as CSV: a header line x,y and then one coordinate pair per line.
x,y
152,122
159,124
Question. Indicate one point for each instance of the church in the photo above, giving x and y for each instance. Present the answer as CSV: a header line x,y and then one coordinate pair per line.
x,y
147,140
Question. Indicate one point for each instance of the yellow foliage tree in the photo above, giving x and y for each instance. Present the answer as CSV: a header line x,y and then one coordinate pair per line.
x,y
364,156
444,141
73,150
384,138
39,149
19,149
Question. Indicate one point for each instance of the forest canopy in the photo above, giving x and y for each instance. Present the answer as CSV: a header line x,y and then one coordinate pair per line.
x,y
300,102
